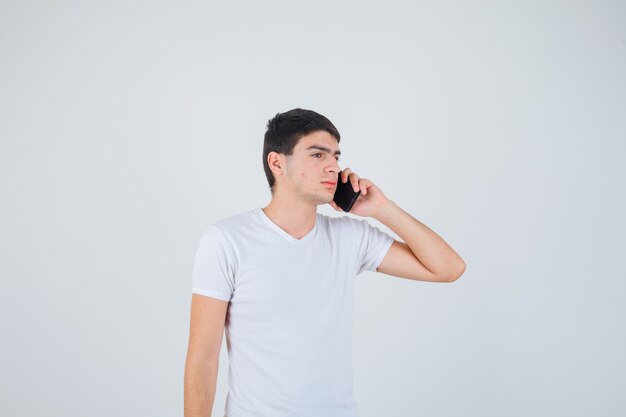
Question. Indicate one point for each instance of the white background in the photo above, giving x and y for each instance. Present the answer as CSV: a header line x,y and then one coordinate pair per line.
x,y
127,127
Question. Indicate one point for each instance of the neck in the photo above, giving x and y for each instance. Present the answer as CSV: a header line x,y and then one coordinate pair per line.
x,y
294,216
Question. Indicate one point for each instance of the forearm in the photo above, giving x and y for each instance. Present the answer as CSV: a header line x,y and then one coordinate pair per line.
x,y
427,246
200,385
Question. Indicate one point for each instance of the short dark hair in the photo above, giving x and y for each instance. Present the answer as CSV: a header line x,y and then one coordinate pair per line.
x,y
285,130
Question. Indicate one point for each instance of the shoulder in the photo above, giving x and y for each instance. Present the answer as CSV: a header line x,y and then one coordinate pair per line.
x,y
228,229
342,223
234,222
342,219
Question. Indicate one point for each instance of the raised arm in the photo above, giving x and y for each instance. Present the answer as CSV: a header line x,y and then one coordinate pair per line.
x,y
424,257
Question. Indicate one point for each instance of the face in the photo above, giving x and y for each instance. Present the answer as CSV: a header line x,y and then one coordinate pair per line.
x,y
314,161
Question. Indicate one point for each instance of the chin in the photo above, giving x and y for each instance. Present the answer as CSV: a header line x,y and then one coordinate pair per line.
x,y
323,199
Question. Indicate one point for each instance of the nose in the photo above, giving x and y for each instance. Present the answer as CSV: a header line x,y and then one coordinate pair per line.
x,y
334,167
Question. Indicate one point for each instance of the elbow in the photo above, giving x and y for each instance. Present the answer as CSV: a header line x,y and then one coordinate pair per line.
x,y
456,274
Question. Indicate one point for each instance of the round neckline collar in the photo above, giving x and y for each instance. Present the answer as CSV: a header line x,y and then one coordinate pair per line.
x,y
283,233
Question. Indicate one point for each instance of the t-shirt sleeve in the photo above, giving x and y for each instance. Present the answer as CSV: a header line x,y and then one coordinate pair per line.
x,y
213,266
372,244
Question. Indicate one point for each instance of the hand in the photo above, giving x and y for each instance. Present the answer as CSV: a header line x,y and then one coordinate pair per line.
x,y
370,201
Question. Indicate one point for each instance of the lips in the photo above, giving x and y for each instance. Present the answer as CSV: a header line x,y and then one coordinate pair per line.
x,y
329,182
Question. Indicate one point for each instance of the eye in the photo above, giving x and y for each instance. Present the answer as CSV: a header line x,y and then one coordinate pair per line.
x,y
319,153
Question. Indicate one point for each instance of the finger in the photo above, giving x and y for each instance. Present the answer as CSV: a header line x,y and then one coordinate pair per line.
x,y
344,174
354,180
363,184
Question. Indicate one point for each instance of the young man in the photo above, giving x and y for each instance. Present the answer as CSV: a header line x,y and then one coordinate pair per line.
x,y
280,280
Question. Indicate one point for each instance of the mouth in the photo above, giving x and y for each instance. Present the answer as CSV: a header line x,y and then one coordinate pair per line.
x,y
329,183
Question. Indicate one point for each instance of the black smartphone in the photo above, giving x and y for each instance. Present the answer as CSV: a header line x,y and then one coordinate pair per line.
x,y
345,196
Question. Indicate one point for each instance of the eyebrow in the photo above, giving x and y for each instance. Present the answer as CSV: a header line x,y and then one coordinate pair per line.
x,y
322,148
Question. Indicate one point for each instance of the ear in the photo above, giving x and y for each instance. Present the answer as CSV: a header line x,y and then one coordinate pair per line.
x,y
276,162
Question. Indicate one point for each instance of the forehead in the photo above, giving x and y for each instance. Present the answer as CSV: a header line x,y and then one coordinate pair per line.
x,y
321,137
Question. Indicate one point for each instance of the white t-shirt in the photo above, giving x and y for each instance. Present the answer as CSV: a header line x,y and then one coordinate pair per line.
x,y
289,322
